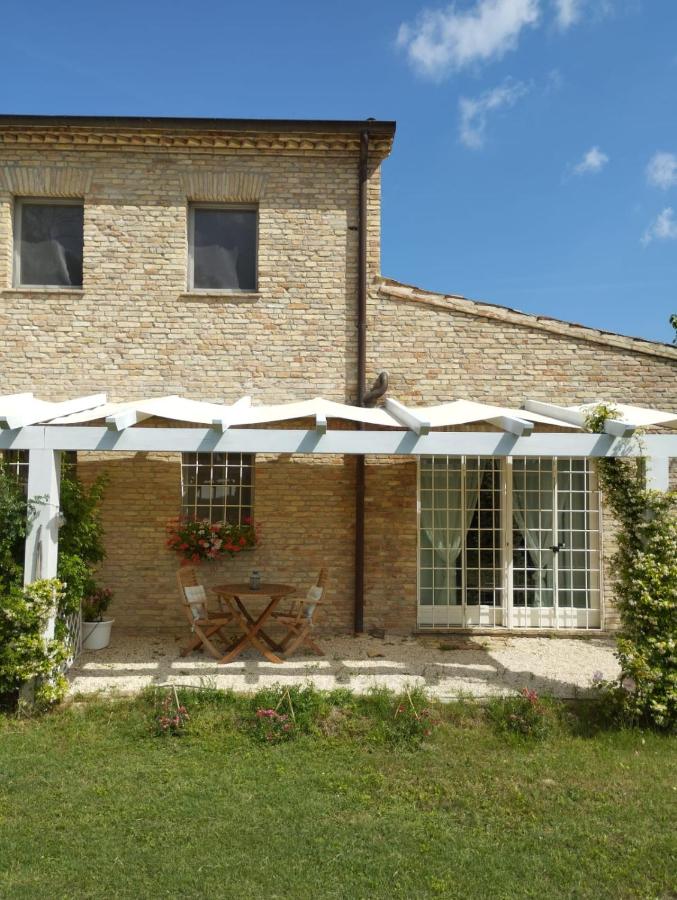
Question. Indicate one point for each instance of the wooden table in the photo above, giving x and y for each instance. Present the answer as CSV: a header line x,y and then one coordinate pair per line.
x,y
237,597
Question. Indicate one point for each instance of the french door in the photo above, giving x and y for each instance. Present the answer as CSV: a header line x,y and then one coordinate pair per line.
x,y
511,543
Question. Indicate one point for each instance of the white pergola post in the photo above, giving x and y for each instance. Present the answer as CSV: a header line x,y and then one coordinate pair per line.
x,y
657,473
42,537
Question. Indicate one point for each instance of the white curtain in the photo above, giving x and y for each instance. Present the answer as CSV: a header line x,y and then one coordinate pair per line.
x,y
527,519
446,525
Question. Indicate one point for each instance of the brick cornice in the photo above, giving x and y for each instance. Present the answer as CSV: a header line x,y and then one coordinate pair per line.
x,y
395,290
259,142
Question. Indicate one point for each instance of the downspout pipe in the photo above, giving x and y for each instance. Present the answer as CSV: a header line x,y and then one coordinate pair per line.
x,y
358,614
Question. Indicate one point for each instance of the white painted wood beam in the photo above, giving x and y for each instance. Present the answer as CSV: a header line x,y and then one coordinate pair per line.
x,y
658,473
341,441
125,419
615,427
320,423
224,422
41,412
15,398
42,538
406,417
513,425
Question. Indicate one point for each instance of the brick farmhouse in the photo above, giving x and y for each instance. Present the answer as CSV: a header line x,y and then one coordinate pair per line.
x,y
217,259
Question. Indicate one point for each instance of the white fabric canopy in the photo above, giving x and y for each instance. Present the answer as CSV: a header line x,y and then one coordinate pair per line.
x,y
19,410
638,415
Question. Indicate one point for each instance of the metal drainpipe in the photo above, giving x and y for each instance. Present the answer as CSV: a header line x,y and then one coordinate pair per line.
x,y
358,617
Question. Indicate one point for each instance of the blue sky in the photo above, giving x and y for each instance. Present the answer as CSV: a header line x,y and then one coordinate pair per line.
x,y
535,163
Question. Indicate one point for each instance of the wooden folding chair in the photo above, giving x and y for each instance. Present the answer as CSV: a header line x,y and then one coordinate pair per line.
x,y
300,618
203,624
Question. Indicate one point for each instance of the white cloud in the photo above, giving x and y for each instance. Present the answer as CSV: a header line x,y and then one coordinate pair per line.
x,y
474,112
568,12
441,41
593,161
662,170
663,229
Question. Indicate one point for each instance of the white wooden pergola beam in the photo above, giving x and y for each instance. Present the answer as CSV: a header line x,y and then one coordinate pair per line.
x,y
384,442
406,417
520,427
224,422
15,398
126,418
615,427
40,412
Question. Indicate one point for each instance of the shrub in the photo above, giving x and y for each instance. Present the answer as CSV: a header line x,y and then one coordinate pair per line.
x,y
25,652
526,715
172,716
402,719
281,713
15,512
96,604
81,544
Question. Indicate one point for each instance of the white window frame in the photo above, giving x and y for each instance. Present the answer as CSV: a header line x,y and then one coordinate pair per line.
x,y
209,501
224,207
522,618
19,203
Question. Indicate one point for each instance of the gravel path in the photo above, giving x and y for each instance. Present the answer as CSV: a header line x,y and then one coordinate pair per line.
x,y
445,666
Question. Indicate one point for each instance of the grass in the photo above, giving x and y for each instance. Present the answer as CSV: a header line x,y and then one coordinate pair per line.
x,y
93,805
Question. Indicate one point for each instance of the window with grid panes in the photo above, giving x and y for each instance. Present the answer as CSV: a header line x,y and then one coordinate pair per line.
x,y
218,487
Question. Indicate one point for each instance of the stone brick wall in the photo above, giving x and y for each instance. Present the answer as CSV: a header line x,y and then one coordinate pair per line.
x,y
134,331
304,508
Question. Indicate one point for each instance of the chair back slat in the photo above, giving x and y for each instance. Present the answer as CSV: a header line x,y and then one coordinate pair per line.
x,y
195,608
313,601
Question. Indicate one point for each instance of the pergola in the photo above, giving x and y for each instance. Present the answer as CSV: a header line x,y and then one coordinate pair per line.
x,y
91,423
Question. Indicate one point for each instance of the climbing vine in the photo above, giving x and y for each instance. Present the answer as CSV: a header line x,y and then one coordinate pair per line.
x,y
644,572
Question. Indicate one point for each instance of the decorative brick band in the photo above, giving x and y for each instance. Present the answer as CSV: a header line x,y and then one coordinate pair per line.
x,y
229,186
151,140
52,181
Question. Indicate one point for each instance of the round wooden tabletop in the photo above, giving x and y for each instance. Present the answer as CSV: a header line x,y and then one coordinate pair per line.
x,y
266,589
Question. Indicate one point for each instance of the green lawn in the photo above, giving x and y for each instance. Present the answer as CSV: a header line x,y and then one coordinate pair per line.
x,y
92,805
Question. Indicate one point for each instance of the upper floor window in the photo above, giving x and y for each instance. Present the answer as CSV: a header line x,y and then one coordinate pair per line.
x,y
48,239
217,486
222,247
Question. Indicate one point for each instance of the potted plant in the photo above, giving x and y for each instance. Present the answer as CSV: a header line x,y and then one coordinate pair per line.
x,y
197,540
95,629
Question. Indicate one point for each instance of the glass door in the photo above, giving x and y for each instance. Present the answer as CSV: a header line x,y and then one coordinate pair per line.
x,y
460,551
555,545
512,543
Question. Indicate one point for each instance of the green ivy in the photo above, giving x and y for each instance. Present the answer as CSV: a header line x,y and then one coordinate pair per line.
x,y
645,580
26,656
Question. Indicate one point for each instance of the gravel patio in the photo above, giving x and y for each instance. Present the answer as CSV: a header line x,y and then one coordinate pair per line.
x,y
446,666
